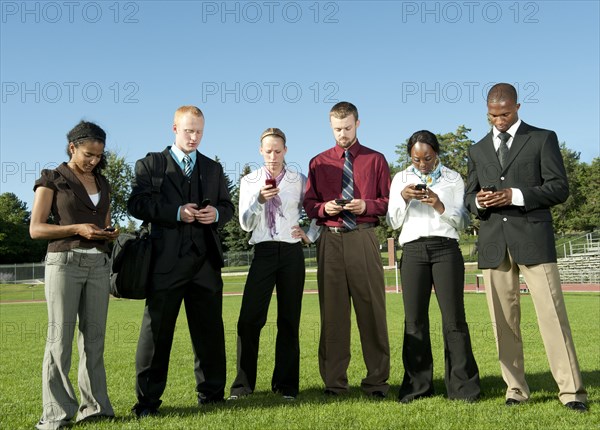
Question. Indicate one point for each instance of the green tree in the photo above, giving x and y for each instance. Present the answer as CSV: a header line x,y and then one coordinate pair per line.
x,y
233,237
590,190
120,175
454,149
563,214
580,211
16,246
585,193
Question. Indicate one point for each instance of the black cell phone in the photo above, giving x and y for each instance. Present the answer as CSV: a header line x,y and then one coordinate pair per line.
x,y
491,188
420,187
272,182
111,229
204,203
342,202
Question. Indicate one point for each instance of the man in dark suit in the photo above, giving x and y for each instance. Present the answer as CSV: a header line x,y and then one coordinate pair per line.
x,y
516,174
186,262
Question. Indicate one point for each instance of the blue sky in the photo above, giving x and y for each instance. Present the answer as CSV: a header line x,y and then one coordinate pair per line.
x,y
251,65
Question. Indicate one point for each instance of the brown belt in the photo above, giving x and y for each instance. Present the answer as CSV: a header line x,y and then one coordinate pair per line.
x,y
346,229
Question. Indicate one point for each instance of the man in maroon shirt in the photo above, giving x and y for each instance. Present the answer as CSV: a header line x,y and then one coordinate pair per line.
x,y
347,190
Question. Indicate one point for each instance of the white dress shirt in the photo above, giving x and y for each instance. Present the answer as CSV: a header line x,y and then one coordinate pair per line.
x,y
253,214
418,219
517,195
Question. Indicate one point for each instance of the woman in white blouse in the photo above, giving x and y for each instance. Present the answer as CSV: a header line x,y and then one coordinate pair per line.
x,y
426,201
270,207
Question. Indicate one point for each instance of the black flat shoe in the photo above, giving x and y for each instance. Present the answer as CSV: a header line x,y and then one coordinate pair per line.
x,y
146,412
203,400
377,395
577,406
512,402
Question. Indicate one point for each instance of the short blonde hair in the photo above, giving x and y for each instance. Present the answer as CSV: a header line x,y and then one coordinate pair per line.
x,y
187,109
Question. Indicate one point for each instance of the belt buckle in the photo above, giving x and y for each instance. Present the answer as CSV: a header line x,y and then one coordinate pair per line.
x,y
338,230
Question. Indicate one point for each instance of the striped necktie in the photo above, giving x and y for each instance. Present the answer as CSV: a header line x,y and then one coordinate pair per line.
x,y
348,218
503,149
187,166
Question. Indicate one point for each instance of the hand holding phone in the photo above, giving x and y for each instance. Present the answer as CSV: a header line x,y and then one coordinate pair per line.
x,y
272,182
342,202
204,203
422,187
489,188
109,229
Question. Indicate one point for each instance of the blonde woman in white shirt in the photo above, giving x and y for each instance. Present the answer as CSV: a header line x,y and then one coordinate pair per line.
x,y
426,201
270,207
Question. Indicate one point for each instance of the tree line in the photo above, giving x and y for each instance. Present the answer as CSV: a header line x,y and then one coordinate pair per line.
x,y
578,214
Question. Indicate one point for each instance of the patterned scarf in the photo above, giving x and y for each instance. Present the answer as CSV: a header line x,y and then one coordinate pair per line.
x,y
274,205
431,178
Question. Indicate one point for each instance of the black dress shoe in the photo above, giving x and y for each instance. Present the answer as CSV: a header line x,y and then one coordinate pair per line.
x,y
512,402
204,400
577,406
378,395
408,398
142,411
146,412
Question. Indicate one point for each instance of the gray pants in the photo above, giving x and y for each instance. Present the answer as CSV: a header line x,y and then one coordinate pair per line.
x,y
77,288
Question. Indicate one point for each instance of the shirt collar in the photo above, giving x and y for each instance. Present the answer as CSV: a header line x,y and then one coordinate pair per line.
x,y
179,154
354,149
512,130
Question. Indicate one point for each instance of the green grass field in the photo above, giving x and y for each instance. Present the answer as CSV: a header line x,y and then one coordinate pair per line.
x,y
22,340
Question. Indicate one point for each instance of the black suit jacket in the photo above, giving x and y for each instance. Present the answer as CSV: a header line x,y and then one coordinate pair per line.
x,y
535,166
161,209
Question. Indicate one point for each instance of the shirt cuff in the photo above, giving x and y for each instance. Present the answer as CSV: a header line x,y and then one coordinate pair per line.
x,y
255,206
217,217
179,213
517,197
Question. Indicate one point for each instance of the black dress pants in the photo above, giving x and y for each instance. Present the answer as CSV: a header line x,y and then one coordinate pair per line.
x,y
196,281
437,261
280,265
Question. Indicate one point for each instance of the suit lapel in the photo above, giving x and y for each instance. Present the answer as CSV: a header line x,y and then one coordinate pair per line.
x,y
173,173
488,148
76,186
202,164
519,140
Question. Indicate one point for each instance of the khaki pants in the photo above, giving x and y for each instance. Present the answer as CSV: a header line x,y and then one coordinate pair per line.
x,y
503,296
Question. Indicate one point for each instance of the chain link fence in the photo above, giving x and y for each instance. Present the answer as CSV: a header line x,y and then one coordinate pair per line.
x,y
33,273
28,273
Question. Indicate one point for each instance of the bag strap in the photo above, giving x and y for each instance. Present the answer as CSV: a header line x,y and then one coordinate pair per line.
x,y
158,169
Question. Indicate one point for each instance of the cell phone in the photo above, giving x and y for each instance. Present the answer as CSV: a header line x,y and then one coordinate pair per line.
x,y
110,229
204,203
420,187
342,202
491,188
272,182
